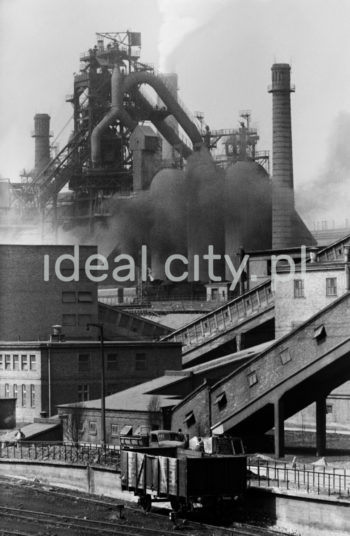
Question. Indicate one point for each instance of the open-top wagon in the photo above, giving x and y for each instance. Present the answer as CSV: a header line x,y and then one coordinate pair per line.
x,y
183,480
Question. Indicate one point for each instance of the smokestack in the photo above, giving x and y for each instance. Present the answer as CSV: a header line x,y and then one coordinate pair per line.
x,y
42,141
282,171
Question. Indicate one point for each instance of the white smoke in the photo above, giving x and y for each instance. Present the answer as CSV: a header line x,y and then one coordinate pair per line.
x,y
180,18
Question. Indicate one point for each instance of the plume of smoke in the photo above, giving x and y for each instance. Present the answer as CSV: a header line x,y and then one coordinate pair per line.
x,y
328,195
180,18
204,186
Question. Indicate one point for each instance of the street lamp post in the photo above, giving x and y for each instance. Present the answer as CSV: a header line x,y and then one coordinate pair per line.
x,y
99,325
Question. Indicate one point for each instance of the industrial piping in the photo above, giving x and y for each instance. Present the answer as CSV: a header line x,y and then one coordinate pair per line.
x,y
166,130
116,112
121,85
169,100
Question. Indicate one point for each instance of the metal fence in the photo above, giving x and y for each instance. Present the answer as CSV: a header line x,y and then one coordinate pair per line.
x,y
87,454
310,479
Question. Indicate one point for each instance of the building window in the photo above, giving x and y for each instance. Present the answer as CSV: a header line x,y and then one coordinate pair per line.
x,y
112,362
189,419
7,390
84,297
15,391
331,286
92,428
69,320
252,379
32,396
320,333
83,392
32,362
24,362
24,395
221,400
285,357
7,362
83,362
1,362
299,288
83,320
140,362
16,362
115,430
329,408
68,297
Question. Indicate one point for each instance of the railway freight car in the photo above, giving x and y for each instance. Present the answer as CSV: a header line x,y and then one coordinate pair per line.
x,y
183,480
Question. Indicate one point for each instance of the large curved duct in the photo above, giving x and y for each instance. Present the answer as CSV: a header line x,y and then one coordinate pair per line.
x,y
121,85
116,112
166,130
169,100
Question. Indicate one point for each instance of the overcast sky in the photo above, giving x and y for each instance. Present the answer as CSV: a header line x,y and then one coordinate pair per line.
x,y
222,50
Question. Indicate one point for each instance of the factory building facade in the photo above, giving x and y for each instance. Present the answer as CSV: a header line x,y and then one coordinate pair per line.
x,y
31,305
42,375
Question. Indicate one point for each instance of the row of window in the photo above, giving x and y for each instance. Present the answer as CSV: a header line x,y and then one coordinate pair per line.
x,y
84,391
23,362
84,362
77,297
93,429
24,393
331,287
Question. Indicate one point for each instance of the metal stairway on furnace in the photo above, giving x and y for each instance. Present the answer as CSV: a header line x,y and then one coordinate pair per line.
x,y
222,324
59,170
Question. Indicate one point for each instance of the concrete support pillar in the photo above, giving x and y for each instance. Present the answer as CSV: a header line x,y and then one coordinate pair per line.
x,y
279,428
321,426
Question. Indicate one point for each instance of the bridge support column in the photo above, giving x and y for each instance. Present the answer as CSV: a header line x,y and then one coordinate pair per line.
x,y
279,428
321,426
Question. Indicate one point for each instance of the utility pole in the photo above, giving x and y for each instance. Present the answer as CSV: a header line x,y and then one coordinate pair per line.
x,y
99,326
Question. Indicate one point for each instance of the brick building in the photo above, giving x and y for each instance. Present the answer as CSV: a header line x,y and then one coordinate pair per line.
x,y
30,305
41,375
150,404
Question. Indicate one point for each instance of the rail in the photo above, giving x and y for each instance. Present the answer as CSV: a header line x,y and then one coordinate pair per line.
x,y
310,479
224,317
87,454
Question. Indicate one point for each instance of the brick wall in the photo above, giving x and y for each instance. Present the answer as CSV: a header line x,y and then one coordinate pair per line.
x,y
29,306
241,389
192,415
89,423
74,379
291,311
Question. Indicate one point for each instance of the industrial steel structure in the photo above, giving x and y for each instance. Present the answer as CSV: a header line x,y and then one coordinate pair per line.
x,y
131,134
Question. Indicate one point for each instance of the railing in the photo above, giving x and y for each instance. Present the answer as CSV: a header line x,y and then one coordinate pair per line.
x,y
224,318
87,454
310,479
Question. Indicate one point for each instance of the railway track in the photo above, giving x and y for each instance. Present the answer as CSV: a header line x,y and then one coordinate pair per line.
x,y
121,527
81,524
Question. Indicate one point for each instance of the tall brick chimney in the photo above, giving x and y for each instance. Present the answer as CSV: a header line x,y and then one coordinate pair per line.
x,y
282,170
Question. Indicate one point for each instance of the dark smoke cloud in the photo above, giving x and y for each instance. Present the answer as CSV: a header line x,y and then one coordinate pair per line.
x,y
327,197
